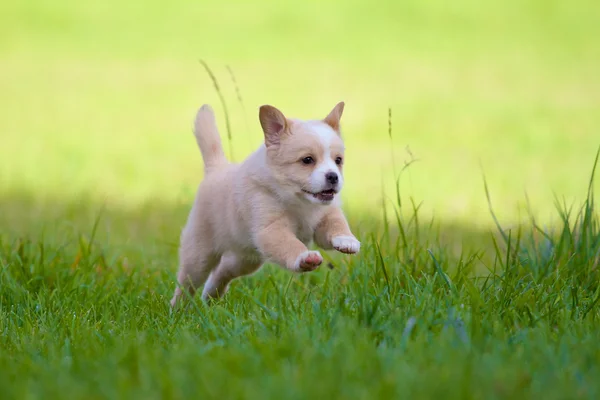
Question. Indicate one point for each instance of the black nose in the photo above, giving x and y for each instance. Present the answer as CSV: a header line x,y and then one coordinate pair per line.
x,y
331,177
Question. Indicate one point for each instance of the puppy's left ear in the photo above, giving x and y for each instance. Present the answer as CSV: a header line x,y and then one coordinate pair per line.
x,y
333,119
274,124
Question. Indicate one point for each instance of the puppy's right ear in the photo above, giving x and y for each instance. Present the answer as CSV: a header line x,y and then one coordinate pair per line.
x,y
333,119
273,123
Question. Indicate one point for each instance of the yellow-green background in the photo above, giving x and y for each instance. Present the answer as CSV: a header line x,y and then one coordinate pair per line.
x,y
97,99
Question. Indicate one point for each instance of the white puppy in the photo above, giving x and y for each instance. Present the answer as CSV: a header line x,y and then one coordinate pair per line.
x,y
269,207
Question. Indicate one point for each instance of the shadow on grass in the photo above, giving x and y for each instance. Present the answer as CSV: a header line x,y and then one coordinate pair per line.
x,y
47,246
151,231
146,237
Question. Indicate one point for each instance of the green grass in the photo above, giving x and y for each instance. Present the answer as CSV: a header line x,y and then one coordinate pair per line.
x,y
407,318
98,169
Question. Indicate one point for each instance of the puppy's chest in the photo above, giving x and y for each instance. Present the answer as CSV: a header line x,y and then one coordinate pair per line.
x,y
305,228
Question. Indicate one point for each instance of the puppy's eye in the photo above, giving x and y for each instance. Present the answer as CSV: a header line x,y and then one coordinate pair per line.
x,y
308,160
338,160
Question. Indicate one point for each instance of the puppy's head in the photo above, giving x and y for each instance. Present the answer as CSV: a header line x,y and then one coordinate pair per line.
x,y
306,157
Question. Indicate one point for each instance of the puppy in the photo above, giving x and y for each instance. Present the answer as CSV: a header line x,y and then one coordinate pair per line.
x,y
269,207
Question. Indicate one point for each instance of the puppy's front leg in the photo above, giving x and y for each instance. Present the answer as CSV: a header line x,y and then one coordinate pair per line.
x,y
333,232
278,243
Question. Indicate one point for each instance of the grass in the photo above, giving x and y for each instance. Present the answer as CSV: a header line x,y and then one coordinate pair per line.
x,y
405,319
455,294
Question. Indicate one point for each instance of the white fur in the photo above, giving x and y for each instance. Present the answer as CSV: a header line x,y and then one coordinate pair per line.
x,y
317,181
346,244
301,264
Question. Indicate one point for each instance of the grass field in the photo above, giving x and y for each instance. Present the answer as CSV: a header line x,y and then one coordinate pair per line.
x,y
98,168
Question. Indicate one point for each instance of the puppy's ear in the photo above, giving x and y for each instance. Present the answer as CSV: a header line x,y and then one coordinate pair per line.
x,y
273,123
333,119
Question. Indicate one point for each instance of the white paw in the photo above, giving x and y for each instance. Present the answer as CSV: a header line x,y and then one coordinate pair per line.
x,y
346,244
308,261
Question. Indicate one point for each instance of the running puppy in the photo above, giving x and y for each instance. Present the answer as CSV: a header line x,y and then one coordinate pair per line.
x,y
269,207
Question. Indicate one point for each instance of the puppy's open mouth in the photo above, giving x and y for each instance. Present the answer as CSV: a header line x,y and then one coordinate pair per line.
x,y
325,195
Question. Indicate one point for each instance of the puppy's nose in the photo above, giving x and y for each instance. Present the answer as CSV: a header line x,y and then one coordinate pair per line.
x,y
331,177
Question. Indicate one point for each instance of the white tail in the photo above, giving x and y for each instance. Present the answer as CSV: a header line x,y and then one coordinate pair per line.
x,y
208,139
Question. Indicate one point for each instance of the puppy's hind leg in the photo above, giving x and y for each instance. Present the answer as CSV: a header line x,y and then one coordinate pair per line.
x,y
231,266
197,260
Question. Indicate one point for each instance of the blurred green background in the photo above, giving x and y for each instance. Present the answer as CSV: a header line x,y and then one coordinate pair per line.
x,y
97,100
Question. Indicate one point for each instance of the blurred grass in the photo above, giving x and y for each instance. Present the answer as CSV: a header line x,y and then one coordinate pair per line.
x,y
97,99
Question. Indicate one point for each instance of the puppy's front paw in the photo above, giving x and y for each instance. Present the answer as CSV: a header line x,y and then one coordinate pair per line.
x,y
346,244
308,261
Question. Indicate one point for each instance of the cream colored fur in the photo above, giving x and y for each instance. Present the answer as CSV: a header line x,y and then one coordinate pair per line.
x,y
269,207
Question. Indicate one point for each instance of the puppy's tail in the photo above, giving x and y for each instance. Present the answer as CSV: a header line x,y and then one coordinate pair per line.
x,y
208,139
